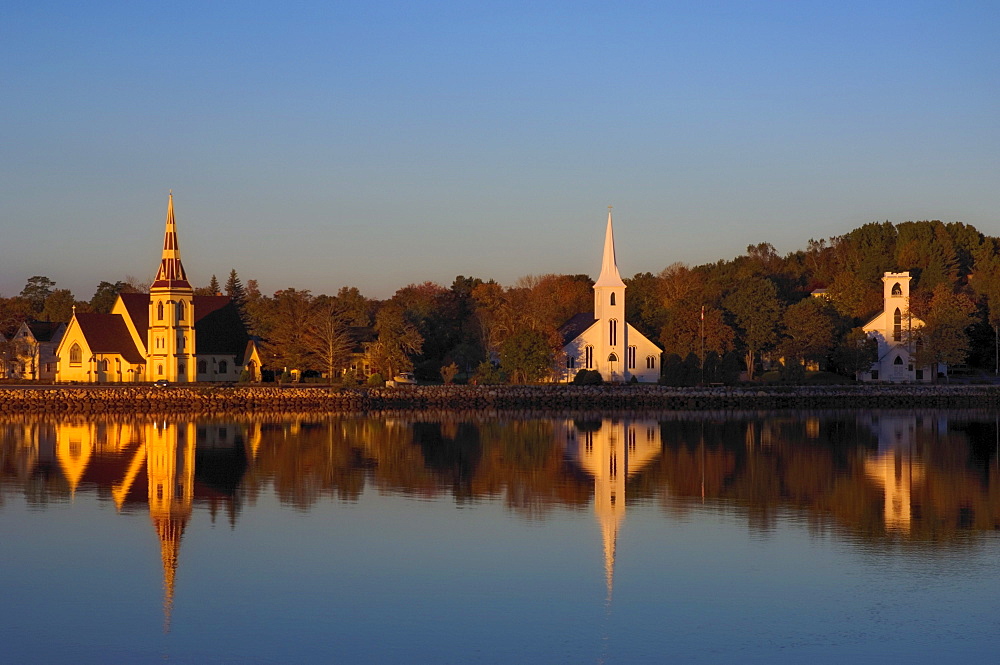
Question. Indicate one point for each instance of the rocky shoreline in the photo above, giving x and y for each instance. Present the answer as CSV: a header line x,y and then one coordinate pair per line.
x,y
256,399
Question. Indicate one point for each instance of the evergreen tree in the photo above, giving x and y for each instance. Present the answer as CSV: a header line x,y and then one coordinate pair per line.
x,y
213,286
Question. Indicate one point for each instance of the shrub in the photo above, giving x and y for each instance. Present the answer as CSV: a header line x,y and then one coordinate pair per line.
x,y
588,377
376,381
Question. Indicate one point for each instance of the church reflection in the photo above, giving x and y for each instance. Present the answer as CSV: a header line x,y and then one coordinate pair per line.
x,y
142,463
611,451
926,477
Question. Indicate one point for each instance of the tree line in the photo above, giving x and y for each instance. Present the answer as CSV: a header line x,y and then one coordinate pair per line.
x,y
713,320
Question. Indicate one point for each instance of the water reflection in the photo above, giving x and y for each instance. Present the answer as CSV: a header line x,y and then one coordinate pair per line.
x,y
928,478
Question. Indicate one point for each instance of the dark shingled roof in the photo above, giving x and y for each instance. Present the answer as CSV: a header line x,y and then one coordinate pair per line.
x,y
137,305
218,328
217,323
576,326
43,331
361,335
108,333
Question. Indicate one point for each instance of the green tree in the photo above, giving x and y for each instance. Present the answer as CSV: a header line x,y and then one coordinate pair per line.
x,y
213,286
810,330
398,340
37,290
59,306
105,296
943,338
856,352
526,356
756,311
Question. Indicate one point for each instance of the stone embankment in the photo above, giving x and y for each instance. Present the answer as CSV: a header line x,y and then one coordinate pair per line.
x,y
254,399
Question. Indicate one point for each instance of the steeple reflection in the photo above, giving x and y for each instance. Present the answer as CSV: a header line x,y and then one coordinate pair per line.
x,y
610,451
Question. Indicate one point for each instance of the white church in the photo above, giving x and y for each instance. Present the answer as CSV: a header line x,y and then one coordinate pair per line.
x,y
893,328
603,340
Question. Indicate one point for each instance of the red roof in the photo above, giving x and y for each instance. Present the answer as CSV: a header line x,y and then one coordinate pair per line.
x,y
108,333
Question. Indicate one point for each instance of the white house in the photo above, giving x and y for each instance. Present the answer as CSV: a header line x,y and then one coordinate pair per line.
x,y
603,340
893,329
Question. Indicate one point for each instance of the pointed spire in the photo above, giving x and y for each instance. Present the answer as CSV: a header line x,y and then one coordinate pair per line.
x,y
171,272
609,266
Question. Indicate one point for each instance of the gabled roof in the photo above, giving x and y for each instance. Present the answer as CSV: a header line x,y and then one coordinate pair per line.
x,y
108,333
576,326
44,331
361,335
218,327
137,305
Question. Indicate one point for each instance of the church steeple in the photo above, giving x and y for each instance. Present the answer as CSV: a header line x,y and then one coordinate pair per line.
x,y
609,266
171,272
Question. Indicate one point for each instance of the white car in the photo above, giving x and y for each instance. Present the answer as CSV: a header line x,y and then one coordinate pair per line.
x,y
406,378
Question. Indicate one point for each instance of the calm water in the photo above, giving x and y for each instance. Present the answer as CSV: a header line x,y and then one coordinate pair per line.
x,y
587,538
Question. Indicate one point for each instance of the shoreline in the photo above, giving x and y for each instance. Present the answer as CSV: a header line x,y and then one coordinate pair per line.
x,y
197,399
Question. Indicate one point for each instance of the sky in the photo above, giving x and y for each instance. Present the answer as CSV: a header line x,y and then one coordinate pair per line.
x,y
375,144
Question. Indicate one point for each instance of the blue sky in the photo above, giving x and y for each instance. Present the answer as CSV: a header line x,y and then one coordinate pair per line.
x,y
376,144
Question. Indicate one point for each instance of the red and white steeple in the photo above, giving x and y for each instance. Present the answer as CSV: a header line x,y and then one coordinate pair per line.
x,y
171,271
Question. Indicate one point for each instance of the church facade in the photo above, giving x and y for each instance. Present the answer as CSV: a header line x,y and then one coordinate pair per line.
x,y
894,329
603,340
169,333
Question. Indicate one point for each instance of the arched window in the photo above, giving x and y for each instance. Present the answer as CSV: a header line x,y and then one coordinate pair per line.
x,y
612,358
103,365
570,362
180,310
897,326
898,361
612,298
223,367
75,355
202,367
159,311
159,370
631,357
588,357
897,290
650,362
613,332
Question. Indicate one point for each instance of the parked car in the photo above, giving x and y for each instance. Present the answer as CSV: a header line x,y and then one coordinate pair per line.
x,y
162,383
405,378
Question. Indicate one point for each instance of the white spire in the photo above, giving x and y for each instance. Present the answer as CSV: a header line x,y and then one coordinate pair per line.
x,y
609,267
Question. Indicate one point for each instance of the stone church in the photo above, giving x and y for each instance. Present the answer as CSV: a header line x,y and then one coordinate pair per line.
x,y
169,333
603,340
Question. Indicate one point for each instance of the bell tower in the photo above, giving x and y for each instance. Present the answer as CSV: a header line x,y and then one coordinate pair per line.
x,y
170,346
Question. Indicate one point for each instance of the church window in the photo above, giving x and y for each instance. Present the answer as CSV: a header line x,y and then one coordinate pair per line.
x,y
180,310
874,375
570,362
897,290
103,365
159,370
202,367
612,299
631,357
613,332
223,367
650,362
159,311
181,370
612,358
180,343
588,357
897,326
897,361
75,355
